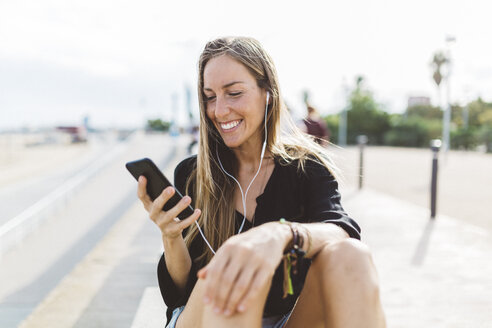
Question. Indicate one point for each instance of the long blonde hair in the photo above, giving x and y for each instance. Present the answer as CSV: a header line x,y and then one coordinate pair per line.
x,y
213,190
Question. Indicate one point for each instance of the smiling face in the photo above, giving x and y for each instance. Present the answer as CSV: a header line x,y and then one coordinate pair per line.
x,y
235,104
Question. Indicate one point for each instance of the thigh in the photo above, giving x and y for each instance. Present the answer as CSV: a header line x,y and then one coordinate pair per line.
x,y
193,312
308,311
196,314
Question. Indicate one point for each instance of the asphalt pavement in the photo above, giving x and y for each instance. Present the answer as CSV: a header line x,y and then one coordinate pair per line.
x,y
53,246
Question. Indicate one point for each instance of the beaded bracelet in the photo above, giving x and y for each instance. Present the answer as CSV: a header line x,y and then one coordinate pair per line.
x,y
292,256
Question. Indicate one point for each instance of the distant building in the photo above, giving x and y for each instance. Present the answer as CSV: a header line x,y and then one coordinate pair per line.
x,y
419,101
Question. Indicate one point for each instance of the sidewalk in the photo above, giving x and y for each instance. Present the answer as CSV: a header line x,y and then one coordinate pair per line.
x,y
432,273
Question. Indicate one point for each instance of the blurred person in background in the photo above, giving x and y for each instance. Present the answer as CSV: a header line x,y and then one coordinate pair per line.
x,y
194,132
316,126
269,243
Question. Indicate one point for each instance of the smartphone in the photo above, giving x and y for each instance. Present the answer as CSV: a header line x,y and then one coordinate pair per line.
x,y
156,183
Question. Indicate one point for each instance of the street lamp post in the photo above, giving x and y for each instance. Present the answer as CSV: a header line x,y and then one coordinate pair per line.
x,y
361,141
342,126
342,129
447,112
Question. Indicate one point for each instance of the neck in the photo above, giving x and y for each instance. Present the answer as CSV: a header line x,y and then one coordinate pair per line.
x,y
249,157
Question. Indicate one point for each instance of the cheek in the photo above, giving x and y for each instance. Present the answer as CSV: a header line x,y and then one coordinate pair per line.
x,y
210,113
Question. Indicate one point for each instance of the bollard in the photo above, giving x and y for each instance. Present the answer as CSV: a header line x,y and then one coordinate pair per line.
x,y
435,145
361,141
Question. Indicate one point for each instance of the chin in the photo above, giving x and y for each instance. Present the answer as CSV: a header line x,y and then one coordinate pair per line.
x,y
232,143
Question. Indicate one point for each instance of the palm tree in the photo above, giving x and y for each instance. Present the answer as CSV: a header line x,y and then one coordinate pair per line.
x,y
438,61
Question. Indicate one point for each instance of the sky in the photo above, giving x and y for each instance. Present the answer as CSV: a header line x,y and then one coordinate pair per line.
x,y
122,62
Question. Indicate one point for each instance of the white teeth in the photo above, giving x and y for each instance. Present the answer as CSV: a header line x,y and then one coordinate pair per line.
x,y
229,125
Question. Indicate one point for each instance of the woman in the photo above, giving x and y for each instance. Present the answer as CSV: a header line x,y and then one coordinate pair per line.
x,y
316,126
259,277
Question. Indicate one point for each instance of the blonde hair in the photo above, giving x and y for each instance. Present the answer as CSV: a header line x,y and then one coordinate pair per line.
x,y
213,190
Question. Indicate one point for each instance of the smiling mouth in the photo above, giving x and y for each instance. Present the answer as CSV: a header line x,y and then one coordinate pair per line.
x,y
229,125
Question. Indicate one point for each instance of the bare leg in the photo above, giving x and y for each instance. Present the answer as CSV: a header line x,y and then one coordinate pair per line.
x,y
341,290
198,314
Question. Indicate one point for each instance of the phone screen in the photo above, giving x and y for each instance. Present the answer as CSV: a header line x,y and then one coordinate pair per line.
x,y
156,183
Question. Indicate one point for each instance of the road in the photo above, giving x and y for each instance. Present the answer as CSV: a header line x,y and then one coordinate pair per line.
x,y
38,173
464,179
47,254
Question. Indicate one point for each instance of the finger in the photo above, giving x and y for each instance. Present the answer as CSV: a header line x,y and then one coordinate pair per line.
x,y
142,193
202,274
238,292
180,225
180,206
183,224
226,286
259,281
160,201
214,275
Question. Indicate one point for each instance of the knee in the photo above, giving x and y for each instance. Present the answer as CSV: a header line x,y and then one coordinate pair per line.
x,y
347,263
349,255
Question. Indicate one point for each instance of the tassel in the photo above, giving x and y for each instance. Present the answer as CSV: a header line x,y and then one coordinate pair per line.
x,y
287,286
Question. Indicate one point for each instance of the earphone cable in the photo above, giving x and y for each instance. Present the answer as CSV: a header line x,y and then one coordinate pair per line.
x,y
243,195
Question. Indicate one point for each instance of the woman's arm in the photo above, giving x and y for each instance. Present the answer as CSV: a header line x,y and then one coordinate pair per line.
x,y
320,234
177,256
245,262
178,261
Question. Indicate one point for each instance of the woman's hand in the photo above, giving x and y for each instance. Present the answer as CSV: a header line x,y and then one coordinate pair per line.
x,y
242,266
170,227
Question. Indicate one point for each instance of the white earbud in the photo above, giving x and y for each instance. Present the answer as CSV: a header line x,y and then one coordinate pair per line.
x,y
264,142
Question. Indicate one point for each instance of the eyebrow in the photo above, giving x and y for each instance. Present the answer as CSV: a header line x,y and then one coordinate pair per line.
x,y
225,85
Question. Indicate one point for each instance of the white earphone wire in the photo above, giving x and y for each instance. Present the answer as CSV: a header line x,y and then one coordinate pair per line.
x,y
243,195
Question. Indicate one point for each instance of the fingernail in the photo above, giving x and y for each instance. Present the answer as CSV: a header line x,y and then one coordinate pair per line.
x,y
241,308
216,310
227,312
206,300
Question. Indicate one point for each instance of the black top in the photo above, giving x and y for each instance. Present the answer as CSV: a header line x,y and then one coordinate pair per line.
x,y
310,196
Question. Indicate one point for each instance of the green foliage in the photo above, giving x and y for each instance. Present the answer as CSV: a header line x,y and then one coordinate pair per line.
x,y
424,111
464,138
479,113
479,129
413,131
484,135
158,125
417,126
333,122
365,116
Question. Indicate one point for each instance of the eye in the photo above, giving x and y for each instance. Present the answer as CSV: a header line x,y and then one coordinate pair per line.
x,y
235,94
210,98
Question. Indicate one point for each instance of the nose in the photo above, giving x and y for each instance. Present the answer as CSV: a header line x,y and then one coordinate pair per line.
x,y
221,107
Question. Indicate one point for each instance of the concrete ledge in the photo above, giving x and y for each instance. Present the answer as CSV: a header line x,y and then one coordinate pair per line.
x,y
150,313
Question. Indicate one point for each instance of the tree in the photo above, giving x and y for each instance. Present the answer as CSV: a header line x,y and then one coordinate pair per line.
x,y
412,131
479,113
157,125
424,111
364,115
438,61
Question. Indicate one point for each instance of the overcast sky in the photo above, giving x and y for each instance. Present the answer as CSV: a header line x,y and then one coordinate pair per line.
x,y
120,62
